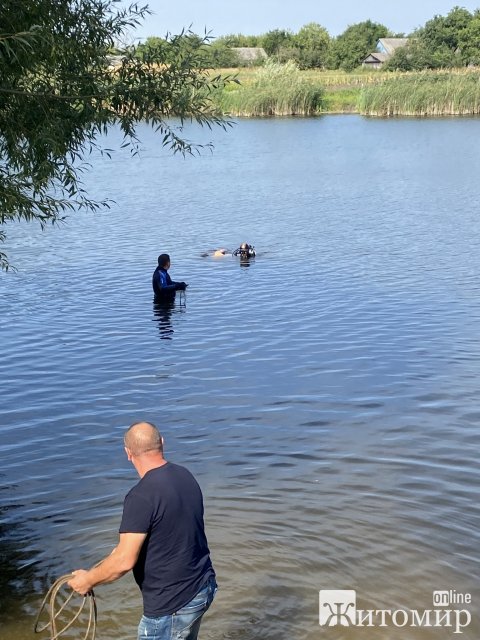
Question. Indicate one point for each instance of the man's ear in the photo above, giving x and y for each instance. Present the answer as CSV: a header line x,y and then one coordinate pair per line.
x,y
129,454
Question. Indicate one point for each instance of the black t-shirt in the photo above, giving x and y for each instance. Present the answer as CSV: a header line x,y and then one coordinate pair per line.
x,y
174,562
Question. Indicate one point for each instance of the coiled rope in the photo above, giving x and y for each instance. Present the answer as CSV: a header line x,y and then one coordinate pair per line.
x,y
55,608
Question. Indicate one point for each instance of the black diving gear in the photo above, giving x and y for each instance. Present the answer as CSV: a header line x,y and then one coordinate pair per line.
x,y
163,286
245,251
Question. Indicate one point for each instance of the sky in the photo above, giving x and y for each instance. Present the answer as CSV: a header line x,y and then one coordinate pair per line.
x,y
253,17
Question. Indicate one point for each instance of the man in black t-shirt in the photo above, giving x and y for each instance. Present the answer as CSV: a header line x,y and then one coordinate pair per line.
x,y
162,538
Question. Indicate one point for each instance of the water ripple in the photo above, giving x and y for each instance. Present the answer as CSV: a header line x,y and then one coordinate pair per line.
x,y
326,396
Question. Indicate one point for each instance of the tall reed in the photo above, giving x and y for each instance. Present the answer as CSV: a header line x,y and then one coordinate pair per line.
x,y
273,90
424,94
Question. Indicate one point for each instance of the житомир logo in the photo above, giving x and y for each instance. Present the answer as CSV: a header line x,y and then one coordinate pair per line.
x,y
339,608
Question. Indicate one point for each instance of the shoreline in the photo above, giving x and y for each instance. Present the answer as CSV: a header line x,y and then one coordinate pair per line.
x,y
283,90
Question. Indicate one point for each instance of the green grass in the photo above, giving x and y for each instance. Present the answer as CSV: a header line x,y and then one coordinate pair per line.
x,y
341,100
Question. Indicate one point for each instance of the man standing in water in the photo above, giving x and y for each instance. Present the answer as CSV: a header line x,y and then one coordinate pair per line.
x,y
162,538
163,286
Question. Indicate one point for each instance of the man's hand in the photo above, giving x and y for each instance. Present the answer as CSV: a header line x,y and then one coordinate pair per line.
x,y
114,566
80,582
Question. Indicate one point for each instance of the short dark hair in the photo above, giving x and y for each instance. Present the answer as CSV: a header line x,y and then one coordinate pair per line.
x,y
163,258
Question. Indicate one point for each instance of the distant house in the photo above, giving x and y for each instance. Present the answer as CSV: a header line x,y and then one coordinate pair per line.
x,y
375,60
250,55
389,45
114,61
385,48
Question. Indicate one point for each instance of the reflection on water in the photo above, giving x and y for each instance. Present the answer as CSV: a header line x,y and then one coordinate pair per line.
x,y
326,397
245,261
163,311
18,568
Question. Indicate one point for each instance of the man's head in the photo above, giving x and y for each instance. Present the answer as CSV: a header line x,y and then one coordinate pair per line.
x,y
164,261
143,438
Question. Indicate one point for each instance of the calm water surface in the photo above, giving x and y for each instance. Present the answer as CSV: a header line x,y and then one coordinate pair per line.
x,y
327,397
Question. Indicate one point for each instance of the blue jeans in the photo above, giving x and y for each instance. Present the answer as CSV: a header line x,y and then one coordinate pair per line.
x,y
184,624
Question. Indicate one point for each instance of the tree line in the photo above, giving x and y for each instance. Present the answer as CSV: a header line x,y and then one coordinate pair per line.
x,y
443,42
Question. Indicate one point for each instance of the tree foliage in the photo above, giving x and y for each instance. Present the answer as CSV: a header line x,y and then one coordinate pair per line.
x,y
313,43
273,41
218,55
211,55
58,94
446,31
469,41
416,55
355,43
240,40
445,41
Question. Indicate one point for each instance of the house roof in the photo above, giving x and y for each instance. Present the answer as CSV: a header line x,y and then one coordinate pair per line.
x,y
250,53
385,48
376,56
390,44
114,60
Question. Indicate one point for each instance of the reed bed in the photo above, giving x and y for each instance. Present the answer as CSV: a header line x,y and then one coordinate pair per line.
x,y
273,90
424,94
285,90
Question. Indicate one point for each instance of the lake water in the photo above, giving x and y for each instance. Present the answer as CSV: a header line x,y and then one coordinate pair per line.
x,y
327,397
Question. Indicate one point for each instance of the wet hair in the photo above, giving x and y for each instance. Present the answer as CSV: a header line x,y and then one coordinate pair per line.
x,y
163,259
142,437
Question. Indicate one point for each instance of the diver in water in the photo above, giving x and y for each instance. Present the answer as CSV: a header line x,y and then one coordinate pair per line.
x,y
164,287
245,251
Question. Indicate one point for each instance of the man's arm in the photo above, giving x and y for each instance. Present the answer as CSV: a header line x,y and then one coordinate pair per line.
x,y
171,285
118,563
166,283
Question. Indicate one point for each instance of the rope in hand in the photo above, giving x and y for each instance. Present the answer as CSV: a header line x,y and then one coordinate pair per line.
x,y
49,602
